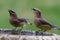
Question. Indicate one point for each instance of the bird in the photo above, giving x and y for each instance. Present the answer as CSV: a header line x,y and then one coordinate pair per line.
x,y
41,23
16,21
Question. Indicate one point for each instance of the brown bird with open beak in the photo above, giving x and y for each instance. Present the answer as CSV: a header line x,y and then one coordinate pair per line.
x,y
17,22
40,22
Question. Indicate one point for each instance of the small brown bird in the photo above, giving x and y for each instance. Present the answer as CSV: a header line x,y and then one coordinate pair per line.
x,y
17,22
40,22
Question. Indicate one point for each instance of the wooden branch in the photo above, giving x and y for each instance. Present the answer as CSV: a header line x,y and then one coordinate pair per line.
x,y
28,35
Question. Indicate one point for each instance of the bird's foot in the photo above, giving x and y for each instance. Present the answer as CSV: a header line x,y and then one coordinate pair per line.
x,y
15,31
39,33
19,31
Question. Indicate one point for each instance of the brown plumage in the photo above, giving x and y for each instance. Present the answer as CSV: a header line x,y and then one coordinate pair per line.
x,y
15,21
40,22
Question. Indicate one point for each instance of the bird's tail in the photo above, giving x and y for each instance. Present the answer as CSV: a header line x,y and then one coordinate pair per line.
x,y
27,22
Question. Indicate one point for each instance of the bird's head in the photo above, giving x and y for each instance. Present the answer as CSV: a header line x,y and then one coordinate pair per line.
x,y
12,13
36,12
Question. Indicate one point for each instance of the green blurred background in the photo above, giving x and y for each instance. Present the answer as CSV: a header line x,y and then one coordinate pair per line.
x,y
50,10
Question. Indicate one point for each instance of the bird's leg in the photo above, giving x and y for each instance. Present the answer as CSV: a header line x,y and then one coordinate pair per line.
x,y
20,30
37,32
14,31
40,32
43,32
15,28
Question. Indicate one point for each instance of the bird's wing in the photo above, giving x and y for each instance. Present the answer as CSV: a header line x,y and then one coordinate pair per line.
x,y
16,20
22,20
46,23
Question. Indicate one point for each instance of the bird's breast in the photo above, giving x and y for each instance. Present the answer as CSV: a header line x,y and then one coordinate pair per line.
x,y
37,23
15,23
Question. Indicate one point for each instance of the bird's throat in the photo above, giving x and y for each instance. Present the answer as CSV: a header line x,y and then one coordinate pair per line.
x,y
13,17
38,15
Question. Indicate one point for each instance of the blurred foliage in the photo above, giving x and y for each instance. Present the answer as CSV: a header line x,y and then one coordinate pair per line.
x,y
50,10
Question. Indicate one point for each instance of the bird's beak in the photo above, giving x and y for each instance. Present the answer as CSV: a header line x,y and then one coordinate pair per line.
x,y
33,9
10,11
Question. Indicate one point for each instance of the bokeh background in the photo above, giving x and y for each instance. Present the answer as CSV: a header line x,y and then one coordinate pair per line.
x,y
50,11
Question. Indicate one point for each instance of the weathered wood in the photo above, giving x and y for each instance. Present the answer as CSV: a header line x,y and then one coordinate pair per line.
x,y
26,35
24,32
